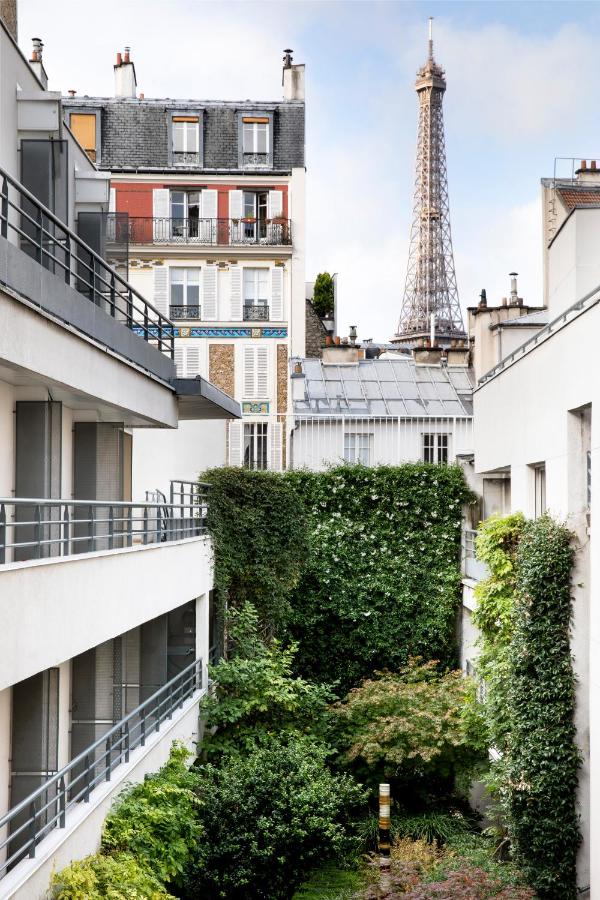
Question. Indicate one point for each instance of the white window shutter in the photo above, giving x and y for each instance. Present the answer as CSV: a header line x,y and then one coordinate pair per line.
x,y
235,443
112,200
161,289
262,372
236,204
161,210
209,204
275,204
192,362
209,293
276,446
235,297
180,362
276,311
249,372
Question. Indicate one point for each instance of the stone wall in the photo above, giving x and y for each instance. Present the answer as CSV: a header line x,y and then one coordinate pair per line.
x,y
315,333
221,367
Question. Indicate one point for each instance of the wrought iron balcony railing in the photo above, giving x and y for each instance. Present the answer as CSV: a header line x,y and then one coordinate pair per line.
x,y
51,243
48,807
207,232
256,159
256,312
40,529
184,312
183,158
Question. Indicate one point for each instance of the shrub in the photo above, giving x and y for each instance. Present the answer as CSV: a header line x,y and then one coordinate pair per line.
x,y
543,760
411,724
267,817
323,294
118,877
259,532
256,695
156,821
468,883
382,579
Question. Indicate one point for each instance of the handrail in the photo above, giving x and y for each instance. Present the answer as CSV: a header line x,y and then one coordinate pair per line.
x,y
544,333
83,269
205,231
125,736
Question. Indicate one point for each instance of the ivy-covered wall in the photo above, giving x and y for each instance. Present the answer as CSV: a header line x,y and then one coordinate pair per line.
x,y
382,578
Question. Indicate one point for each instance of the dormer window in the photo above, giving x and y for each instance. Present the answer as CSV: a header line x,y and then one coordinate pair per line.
x,y
185,140
256,140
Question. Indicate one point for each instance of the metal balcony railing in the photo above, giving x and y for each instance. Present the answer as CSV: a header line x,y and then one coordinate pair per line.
x,y
50,242
256,159
40,529
256,312
209,232
47,808
184,312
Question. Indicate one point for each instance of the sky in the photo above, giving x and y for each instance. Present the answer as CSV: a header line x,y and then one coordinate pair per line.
x,y
522,82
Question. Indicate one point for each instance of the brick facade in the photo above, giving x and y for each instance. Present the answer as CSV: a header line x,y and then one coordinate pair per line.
x,y
315,333
221,367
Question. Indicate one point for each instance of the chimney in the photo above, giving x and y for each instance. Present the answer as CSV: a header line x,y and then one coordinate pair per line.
x,y
125,80
514,297
8,14
36,63
293,78
483,299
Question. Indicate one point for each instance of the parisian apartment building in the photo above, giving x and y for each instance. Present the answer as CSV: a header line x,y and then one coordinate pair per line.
x,y
105,598
208,197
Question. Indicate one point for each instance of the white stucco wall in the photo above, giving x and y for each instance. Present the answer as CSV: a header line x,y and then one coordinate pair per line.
x,y
573,260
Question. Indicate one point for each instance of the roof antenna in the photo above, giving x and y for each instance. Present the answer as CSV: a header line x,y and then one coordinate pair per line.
x,y
431,38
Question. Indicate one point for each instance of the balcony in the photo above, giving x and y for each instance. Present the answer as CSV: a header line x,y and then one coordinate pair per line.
x,y
204,232
256,312
183,313
72,282
32,529
115,757
256,160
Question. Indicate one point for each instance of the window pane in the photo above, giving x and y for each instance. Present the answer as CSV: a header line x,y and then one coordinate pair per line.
x,y
248,138
263,278
177,294
177,276
350,448
193,294
178,136
249,204
177,204
249,284
192,137
193,276
261,138
442,448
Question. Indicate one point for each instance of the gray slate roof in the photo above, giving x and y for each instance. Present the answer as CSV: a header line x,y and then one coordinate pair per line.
x,y
385,387
135,133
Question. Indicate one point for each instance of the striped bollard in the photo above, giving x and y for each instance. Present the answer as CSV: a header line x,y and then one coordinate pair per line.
x,y
384,836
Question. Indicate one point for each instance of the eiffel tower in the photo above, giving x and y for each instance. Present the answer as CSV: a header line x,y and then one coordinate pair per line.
x,y
430,279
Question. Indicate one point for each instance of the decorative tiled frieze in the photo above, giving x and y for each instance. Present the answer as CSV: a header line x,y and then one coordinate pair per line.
x,y
255,407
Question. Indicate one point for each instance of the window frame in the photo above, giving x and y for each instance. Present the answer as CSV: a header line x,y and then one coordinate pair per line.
x,y
439,449
179,114
540,505
86,111
185,282
255,114
354,447
257,445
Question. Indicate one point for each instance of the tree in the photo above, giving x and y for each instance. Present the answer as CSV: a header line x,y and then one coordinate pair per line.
x,y
323,295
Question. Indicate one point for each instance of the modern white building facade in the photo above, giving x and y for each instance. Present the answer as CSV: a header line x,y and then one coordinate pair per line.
x,y
104,598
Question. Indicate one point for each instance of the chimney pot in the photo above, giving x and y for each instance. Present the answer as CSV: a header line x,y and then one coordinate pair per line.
x,y
141,96
126,56
593,165
72,92
337,341
583,165
119,59
504,301
483,298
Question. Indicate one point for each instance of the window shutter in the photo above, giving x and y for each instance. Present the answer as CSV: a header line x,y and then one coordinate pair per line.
x,y
235,297
209,204
161,289
180,362
192,362
249,372
262,372
276,448
209,293
276,312
236,204
235,443
161,210
275,204
112,202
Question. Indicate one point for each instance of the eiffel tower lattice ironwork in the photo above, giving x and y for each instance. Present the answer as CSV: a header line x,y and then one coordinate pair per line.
x,y
430,279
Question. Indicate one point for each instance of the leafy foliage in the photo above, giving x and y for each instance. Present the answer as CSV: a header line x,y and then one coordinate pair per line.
x,y
411,723
256,694
543,759
323,295
156,821
382,579
267,817
118,877
330,882
260,541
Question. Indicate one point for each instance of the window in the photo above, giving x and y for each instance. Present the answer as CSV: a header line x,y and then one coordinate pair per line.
x,y
256,297
255,446
186,140
435,448
255,138
358,448
83,126
539,488
184,293
185,214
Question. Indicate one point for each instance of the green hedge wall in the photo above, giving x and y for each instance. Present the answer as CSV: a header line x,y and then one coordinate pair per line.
x,y
381,582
